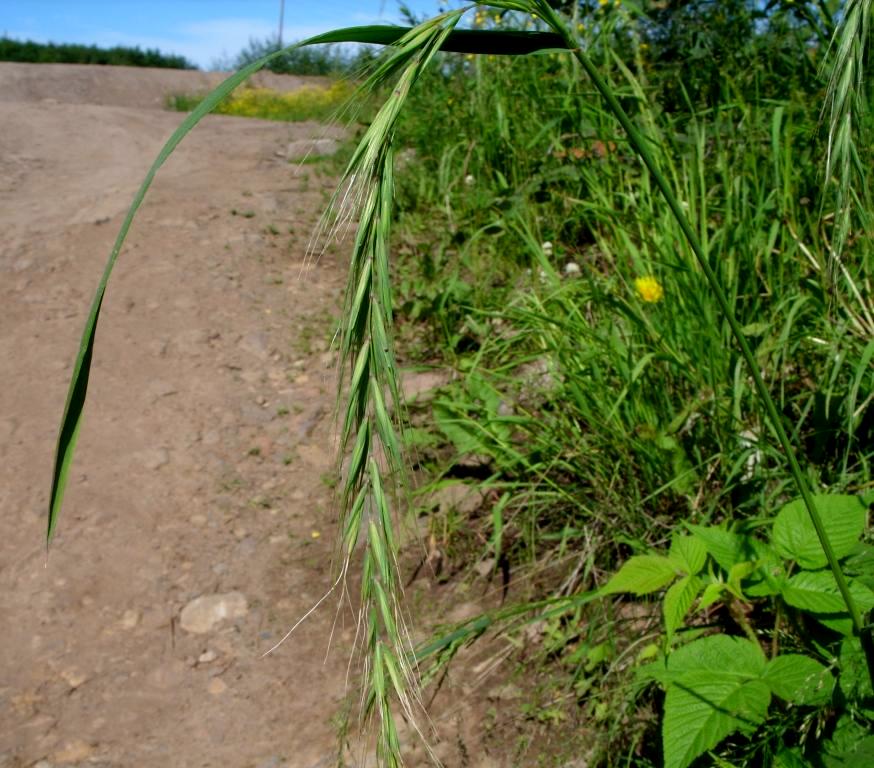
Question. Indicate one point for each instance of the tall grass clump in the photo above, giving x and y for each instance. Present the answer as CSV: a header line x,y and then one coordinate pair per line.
x,y
654,381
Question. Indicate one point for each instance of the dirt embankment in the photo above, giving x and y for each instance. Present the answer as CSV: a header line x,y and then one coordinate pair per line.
x,y
197,524
137,87
198,521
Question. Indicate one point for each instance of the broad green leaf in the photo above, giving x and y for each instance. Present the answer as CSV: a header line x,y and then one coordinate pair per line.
x,y
642,575
799,679
677,601
725,547
843,518
817,592
713,688
719,652
702,708
689,553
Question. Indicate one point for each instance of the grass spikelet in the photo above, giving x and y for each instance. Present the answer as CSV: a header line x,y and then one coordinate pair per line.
x,y
368,428
844,104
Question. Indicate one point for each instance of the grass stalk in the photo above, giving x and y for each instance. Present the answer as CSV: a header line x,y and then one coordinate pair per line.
x,y
640,145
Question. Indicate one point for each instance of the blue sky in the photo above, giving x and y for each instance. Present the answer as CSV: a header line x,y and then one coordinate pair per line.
x,y
204,31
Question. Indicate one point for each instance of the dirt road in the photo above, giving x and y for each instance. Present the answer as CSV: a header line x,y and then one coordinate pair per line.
x,y
198,525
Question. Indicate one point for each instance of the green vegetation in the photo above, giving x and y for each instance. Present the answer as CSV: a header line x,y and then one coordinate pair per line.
x,y
69,53
333,60
650,268
306,103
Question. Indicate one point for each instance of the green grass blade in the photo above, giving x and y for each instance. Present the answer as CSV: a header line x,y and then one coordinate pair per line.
x,y
496,42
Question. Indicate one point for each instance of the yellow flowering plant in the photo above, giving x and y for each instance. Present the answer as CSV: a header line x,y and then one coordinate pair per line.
x,y
649,289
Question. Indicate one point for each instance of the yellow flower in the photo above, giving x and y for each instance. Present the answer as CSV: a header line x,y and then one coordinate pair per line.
x,y
649,289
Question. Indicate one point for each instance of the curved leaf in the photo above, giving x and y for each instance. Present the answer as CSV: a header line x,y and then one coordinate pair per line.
x,y
702,708
799,679
496,42
677,602
817,592
641,575
714,688
794,536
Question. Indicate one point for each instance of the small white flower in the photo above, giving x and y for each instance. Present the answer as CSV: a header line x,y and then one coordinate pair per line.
x,y
572,269
547,248
749,440
469,180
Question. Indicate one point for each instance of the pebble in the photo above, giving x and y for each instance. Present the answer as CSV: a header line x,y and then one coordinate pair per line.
x,y
460,497
203,613
255,343
73,677
207,657
129,619
420,385
152,458
73,752
217,686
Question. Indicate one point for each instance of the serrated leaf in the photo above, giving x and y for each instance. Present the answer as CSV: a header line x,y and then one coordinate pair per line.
x,y
677,601
712,592
843,518
798,679
702,708
725,547
642,575
817,592
719,652
855,682
737,573
688,553
714,688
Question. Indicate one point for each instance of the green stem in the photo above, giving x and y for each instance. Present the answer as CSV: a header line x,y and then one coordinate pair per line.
x,y
640,146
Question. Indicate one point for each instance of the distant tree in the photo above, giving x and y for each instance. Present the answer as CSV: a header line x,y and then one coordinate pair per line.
x,y
29,51
315,60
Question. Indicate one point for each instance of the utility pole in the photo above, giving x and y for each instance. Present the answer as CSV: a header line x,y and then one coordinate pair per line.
x,y
281,19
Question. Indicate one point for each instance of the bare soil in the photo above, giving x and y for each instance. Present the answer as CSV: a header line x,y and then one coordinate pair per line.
x,y
206,444
199,518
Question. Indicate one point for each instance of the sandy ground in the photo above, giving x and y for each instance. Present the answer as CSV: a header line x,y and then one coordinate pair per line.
x,y
198,524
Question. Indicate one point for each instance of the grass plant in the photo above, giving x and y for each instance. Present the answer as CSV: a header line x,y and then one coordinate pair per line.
x,y
654,378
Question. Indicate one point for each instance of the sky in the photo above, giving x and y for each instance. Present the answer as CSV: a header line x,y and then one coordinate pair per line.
x,y
204,31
